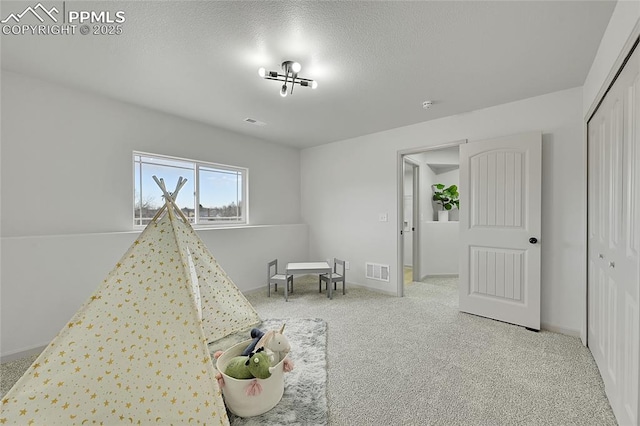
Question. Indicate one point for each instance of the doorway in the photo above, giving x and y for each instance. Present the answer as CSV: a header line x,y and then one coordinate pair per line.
x,y
425,248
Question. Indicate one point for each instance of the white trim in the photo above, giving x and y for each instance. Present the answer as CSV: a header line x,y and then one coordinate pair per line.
x,y
415,206
22,353
559,330
440,276
584,323
606,84
373,289
189,160
194,167
137,231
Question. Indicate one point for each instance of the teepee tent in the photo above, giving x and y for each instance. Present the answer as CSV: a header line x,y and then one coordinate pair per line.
x,y
136,352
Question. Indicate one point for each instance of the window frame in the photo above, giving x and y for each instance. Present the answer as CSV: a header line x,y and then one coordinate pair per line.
x,y
196,164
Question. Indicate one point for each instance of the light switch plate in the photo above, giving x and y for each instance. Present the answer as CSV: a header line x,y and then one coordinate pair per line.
x,y
383,217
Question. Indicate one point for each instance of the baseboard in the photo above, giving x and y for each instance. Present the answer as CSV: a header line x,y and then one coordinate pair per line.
x,y
560,330
440,276
23,353
377,290
254,290
261,287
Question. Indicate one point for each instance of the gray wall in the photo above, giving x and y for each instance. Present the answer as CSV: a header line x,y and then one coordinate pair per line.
x,y
67,199
363,186
67,158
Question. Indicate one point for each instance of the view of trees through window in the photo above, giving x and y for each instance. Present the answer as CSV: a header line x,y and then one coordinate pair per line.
x,y
219,196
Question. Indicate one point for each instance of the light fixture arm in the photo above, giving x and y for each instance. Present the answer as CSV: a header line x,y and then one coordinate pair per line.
x,y
293,80
280,77
290,71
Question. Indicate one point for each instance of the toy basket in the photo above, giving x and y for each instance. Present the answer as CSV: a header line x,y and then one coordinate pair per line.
x,y
234,390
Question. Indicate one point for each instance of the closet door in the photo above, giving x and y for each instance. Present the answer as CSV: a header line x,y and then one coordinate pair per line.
x,y
614,240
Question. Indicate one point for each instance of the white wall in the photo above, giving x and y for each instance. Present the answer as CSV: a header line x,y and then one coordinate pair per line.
x,y
65,152
427,205
440,241
365,185
67,188
441,250
622,26
45,279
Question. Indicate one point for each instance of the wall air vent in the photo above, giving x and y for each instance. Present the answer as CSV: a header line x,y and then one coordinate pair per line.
x,y
254,122
376,271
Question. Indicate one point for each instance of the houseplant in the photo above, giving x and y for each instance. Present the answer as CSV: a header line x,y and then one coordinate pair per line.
x,y
447,197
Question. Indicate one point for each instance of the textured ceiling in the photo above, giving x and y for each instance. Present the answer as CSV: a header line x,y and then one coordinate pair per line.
x,y
375,62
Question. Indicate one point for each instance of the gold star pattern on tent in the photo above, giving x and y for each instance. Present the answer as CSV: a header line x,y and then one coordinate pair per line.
x,y
136,352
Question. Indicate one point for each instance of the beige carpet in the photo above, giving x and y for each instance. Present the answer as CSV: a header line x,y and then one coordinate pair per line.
x,y
418,361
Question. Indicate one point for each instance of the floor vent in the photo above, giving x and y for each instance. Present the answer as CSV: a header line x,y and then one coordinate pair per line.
x,y
376,271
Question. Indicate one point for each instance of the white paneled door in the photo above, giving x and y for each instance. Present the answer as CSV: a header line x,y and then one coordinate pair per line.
x,y
500,189
614,240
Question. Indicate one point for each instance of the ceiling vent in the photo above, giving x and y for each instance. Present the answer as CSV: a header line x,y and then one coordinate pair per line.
x,y
375,271
254,122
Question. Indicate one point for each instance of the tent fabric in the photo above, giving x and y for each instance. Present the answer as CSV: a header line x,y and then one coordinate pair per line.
x,y
225,310
136,352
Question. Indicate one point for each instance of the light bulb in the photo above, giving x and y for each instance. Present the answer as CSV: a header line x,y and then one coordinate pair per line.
x,y
283,91
296,67
314,84
262,72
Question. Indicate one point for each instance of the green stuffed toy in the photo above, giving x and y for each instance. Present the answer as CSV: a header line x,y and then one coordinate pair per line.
x,y
257,365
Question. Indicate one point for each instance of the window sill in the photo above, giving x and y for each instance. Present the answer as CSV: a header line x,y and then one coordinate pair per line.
x,y
138,230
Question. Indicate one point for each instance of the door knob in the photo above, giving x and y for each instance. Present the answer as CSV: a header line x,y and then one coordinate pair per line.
x,y
533,240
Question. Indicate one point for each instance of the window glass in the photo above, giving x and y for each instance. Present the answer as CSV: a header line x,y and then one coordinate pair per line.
x,y
220,194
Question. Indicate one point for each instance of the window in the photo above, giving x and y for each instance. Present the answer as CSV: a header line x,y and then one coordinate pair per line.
x,y
219,191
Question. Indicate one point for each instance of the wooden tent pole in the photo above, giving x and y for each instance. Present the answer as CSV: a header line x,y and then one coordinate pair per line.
x,y
160,183
181,182
157,215
169,198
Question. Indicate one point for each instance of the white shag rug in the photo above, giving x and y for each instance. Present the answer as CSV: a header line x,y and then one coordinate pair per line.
x,y
304,401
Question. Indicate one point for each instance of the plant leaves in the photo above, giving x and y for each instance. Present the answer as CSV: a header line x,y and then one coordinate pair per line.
x,y
447,197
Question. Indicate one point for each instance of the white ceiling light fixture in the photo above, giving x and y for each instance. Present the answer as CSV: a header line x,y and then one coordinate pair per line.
x,y
290,71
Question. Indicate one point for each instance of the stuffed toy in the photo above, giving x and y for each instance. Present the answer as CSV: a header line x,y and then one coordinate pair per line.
x,y
256,365
275,344
256,335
